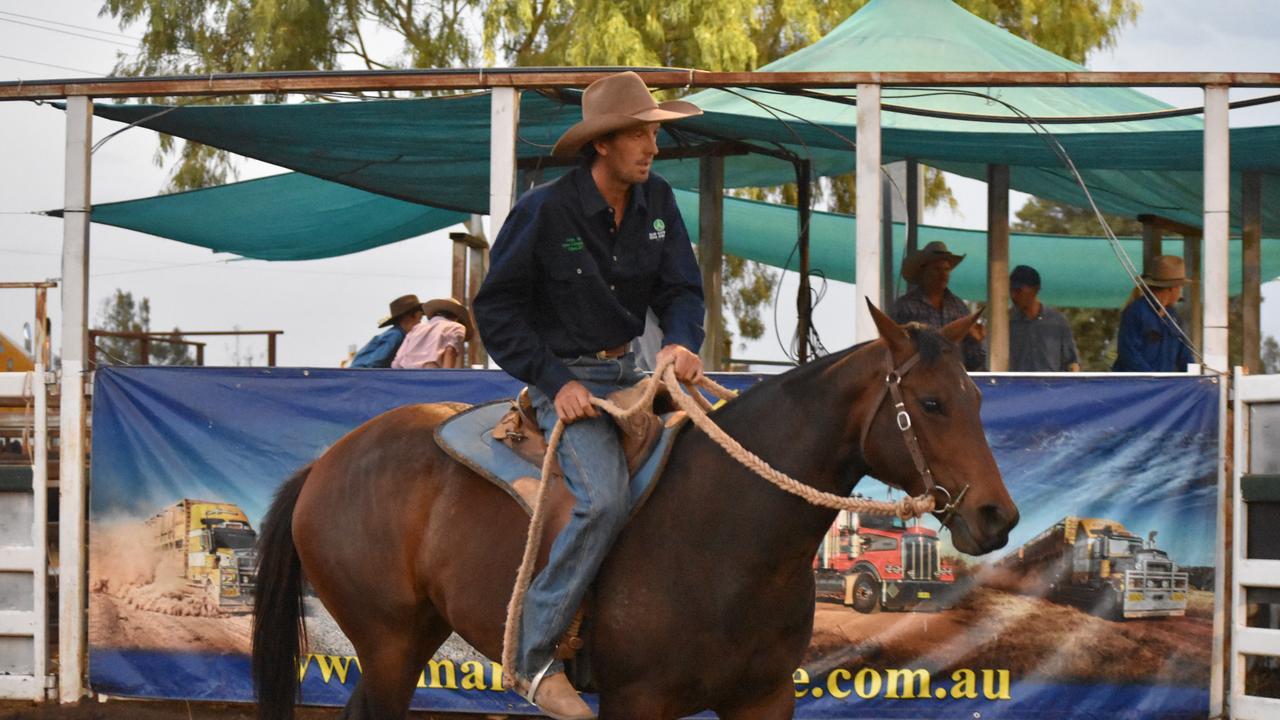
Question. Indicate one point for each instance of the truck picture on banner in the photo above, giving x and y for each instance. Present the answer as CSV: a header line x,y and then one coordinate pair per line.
x,y
1100,605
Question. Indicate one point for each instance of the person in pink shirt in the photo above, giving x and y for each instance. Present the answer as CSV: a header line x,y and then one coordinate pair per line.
x,y
436,343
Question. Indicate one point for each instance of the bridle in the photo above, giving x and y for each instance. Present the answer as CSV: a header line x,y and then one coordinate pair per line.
x,y
941,495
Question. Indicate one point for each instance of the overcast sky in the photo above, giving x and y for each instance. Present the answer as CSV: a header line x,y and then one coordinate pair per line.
x,y
325,306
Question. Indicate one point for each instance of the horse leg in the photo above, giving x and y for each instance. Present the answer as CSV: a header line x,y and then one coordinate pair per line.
x,y
642,705
390,663
777,705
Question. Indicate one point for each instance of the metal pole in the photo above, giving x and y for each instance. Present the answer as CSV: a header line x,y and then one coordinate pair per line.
x,y
72,449
1217,215
867,257
804,296
711,255
998,267
1192,245
1251,269
504,115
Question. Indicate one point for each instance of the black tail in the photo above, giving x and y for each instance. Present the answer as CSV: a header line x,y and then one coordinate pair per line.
x,y
277,607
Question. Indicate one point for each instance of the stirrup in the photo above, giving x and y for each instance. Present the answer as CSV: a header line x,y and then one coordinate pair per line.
x,y
537,680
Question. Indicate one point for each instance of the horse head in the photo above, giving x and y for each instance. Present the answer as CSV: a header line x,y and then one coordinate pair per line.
x,y
939,415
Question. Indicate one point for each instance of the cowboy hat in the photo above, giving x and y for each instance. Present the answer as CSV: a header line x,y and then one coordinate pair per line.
x,y
401,306
1166,271
915,262
616,102
454,308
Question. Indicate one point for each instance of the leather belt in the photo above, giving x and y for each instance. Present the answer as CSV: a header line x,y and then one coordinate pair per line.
x,y
612,353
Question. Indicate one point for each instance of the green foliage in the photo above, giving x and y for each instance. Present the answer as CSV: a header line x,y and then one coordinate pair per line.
x,y
122,314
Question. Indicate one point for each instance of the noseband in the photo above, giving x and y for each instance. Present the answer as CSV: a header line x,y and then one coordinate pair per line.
x,y
942,496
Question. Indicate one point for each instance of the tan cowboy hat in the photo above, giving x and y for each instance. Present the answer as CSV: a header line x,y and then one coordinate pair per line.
x,y
400,306
1166,271
616,102
454,308
915,262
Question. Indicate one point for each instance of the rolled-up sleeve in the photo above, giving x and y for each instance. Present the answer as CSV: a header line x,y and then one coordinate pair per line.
x,y
677,298
505,300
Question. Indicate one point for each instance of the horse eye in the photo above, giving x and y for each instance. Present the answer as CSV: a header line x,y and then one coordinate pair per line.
x,y
932,405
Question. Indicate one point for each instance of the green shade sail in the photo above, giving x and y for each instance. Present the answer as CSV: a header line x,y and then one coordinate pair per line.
x,y
295,217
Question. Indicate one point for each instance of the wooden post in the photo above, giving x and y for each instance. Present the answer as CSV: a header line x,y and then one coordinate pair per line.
x,y
144,350
867,258
1152,237
1192,250
504,124
1251,269
998,267
915,197
711,255
886,243
804,297
458,285
478,265
271,350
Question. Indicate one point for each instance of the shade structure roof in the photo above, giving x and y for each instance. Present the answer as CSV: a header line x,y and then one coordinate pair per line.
x,y
296,217
435,151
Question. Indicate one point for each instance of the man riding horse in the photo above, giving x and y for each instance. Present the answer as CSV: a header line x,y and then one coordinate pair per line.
x,y
574,269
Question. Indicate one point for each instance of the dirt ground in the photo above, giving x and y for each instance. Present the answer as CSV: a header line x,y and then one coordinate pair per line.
x,y
166,710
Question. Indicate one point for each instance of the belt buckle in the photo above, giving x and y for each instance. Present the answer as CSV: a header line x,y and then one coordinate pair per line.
x,y
602,355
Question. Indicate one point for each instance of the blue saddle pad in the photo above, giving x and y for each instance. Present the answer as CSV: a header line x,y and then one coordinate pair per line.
x,y
468,438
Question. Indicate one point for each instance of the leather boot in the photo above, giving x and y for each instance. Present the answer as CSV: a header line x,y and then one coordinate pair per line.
x,y
558,700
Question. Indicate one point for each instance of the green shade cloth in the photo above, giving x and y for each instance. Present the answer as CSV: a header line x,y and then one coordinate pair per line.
x,y
285,217
295,217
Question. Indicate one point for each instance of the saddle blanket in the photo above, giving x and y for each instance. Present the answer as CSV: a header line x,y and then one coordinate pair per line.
x,y
468,438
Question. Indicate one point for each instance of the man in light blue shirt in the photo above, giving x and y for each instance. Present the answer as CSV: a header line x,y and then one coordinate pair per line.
x,y
406,311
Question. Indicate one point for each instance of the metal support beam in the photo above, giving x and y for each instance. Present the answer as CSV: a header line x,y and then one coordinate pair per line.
x,y
504,117
867,257
915,208
72,449
711,256
40,490
1251,269
998,267
886,242
1217,189
1152,237
804,296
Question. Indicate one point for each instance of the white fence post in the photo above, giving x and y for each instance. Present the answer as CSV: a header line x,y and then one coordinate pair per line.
x,y
867,270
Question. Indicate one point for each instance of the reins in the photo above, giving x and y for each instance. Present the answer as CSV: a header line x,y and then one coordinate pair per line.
x,y
696,407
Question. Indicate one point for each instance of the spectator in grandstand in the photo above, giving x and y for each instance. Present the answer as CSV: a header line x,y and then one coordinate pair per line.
x,y
1150,337
436,343
1039,337
929,301
406,312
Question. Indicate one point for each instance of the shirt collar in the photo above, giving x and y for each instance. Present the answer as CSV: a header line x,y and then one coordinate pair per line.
x,y
594,203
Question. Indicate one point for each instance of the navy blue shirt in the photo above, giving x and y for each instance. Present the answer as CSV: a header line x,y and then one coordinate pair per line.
x,y
563,282
1147,343
381,350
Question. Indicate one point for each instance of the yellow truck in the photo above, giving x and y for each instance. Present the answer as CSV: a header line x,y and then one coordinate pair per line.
x,y
1099,565
216,546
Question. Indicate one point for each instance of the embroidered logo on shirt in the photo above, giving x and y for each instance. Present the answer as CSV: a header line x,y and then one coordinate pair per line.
x,y
659,230
573,244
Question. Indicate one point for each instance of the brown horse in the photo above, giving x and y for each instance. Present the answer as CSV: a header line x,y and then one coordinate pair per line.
x,y
706,600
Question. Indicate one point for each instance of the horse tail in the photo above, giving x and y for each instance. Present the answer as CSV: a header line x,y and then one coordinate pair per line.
x,y
277,607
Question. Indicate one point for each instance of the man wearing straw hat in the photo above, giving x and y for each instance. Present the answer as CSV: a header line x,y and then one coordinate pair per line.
x,y
405,313
573,271
1150,339
930,302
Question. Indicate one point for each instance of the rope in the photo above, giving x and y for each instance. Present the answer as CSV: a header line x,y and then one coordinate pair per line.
x,y
696,406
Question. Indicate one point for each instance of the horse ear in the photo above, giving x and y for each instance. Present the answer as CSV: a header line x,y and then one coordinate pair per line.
x,y
957,329
891,332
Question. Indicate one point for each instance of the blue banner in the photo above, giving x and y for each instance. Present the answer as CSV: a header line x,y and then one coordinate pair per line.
x,y
1100,606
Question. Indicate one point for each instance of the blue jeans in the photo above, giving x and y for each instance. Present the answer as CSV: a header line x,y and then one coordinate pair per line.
x,y
595,471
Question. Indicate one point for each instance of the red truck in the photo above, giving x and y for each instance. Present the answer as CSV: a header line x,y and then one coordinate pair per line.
x,y
876,561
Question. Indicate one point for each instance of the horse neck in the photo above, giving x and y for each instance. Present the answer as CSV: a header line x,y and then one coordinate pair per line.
x,y
806,424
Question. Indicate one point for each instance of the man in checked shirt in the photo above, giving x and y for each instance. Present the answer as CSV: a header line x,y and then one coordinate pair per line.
x,y
930,301
573,271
